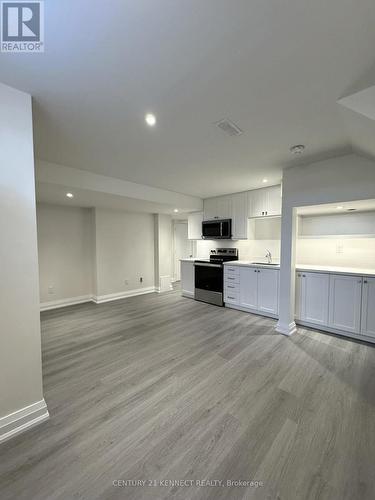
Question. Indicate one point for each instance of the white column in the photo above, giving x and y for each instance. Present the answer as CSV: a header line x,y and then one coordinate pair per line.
x,y
21,395
286,324
163,252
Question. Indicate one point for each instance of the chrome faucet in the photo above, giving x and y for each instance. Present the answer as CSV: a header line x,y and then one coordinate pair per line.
x,y
269,256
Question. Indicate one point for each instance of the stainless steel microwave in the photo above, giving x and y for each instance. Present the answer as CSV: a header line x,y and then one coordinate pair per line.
x,y
218,229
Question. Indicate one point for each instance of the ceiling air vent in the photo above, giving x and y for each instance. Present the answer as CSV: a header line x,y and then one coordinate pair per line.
x,y
229,127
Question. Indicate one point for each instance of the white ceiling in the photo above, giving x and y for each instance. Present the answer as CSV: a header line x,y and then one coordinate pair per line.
x,y
56,195
276,68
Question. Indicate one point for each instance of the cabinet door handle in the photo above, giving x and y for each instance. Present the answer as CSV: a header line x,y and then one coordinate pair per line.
x,y
365,282
303,275
230,278
255,271
258,271
359,281
229,286
233,298
299,275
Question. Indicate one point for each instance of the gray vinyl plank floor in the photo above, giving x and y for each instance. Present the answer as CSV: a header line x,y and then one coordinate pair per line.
x,y
191,401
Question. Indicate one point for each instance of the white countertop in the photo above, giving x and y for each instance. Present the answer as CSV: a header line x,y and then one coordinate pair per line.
x,y
357,271
249,263
336,270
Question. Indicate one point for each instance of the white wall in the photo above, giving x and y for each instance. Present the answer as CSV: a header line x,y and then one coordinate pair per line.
x,y
337,180
65,252
124,251
20,346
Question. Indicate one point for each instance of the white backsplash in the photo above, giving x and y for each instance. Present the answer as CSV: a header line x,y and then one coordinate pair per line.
x,y
344,252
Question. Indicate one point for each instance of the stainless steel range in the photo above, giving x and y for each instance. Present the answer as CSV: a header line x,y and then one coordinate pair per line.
x,y
209,275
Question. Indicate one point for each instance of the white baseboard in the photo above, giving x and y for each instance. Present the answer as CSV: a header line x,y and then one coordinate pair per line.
x,y
97,299
100,299
56,304
22,420
322,328
251,311
286,329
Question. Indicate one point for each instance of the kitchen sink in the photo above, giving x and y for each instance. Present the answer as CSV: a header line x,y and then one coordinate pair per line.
x,y
264,264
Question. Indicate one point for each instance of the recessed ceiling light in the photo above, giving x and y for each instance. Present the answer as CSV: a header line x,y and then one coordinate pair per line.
x,y
265,180
297,149
70,195
175,210
340,207
150,119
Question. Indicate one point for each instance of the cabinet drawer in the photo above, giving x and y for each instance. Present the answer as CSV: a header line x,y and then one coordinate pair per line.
x,y
231,297
231,287
231,278
231,270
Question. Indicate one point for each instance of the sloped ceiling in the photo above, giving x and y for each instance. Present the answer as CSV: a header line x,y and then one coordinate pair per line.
x,y
358,113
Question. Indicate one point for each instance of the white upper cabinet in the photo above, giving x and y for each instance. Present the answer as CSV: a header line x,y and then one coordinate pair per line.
x,y
210,209
312,295
257,201
239,216
224,207
345,303
219,207
368,307
274,201
264,202
195,226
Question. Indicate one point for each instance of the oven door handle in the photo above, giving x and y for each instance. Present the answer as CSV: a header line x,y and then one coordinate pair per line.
x,y
206,264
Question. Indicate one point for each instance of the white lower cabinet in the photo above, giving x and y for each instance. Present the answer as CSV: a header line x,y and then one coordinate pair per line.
x,y
268,291
336,302
345,297
248,287
368,307
187,278
252,289
312,296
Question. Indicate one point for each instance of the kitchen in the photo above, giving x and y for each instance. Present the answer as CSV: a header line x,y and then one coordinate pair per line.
x,y
238,266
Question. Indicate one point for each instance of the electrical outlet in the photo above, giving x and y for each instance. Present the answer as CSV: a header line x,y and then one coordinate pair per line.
x,y
51,290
